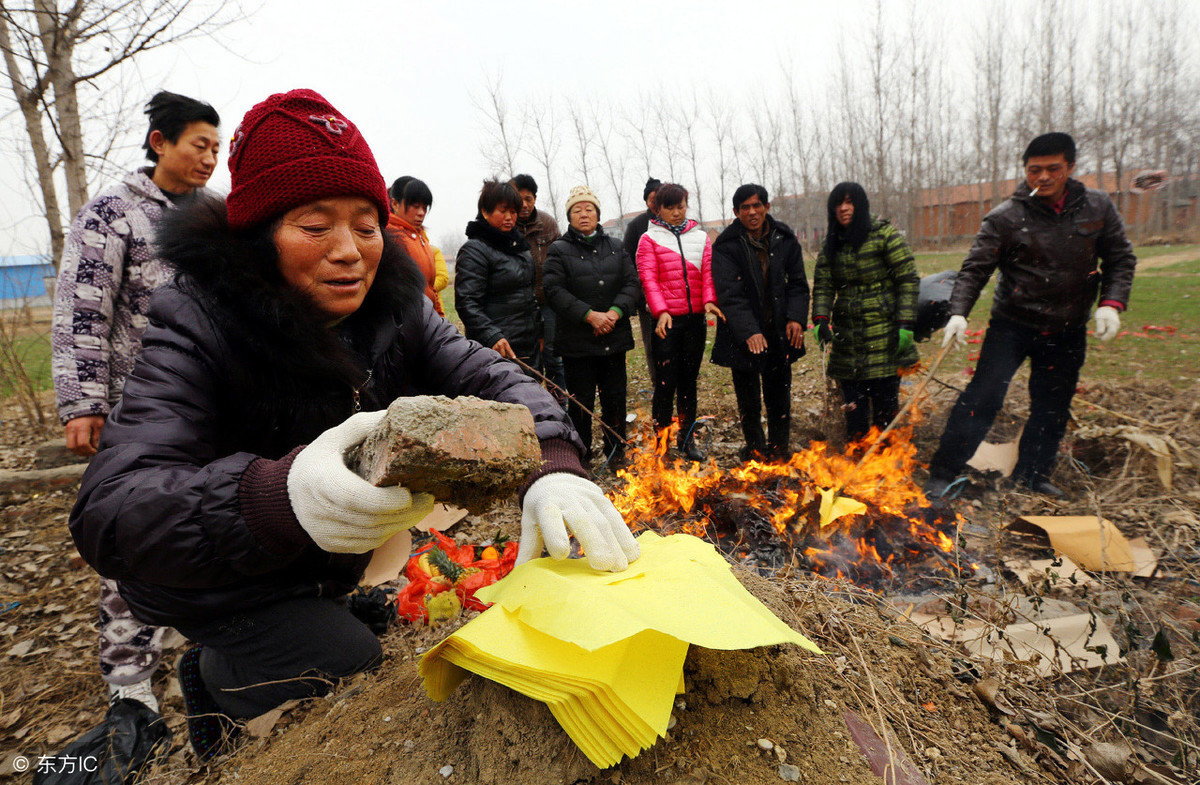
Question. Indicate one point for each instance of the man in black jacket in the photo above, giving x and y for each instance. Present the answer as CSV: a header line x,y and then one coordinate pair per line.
x,y
758,273
633,234
1046,240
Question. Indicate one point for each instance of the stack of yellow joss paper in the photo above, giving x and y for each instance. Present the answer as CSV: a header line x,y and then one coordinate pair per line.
x,y
605,650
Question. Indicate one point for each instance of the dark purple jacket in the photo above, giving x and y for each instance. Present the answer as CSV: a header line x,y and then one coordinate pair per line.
x,y
186,503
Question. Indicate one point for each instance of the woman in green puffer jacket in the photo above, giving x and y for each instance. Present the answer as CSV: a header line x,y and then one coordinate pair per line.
x,y
865,303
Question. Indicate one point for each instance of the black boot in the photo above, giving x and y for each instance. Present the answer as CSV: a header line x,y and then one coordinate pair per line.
x,y
209,730
690,450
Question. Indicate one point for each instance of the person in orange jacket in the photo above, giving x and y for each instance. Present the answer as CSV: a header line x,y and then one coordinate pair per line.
x,y
411,201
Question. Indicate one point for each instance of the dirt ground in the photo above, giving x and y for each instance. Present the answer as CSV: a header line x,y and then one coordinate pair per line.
x,y
956,719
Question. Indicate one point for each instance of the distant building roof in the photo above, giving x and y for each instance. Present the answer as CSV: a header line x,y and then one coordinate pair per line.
x,y
28,260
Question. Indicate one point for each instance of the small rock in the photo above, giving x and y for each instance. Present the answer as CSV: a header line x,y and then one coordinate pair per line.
x,y
409,744
933,753
1109,760
789,773
672,722
681,705
766,745
830,704
780,754
446,771
387,719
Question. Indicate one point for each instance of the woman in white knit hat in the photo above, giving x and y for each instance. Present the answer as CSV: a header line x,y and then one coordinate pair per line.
x,y
592,285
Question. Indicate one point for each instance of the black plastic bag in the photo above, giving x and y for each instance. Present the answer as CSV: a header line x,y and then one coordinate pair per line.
x,y
112,753
933,303
375,607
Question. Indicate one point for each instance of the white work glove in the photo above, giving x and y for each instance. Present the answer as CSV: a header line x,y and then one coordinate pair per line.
x,y
1108,323
560,501
342,512
955,330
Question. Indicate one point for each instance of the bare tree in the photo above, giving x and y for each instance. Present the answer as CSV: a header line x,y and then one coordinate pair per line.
x,y
690,126
638,130
581,124
504,140
720,125
50,51
665,127
449,242
544,145
613,158
990,95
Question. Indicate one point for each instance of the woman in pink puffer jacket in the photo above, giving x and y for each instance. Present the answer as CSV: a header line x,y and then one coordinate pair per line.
x,y
673,260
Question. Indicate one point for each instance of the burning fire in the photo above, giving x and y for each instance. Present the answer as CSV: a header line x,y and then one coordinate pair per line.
x,y
766,514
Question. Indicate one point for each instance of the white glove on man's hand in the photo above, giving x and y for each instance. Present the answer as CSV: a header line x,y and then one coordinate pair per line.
x,y
342,512
1108,323
560,501
955,330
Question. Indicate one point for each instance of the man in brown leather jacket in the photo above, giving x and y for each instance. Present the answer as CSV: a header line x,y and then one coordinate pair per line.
x,y
1060,247
540,229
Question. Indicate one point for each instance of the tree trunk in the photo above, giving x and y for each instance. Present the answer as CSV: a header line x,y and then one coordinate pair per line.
x,y
28,102
58,44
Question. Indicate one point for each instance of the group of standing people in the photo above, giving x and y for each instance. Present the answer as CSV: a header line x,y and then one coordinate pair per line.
x,y
273,326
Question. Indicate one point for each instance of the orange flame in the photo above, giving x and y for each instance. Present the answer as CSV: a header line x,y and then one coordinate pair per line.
x,y
686,496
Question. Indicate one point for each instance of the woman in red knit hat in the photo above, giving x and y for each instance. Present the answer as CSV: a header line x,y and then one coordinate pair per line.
x,y
220,500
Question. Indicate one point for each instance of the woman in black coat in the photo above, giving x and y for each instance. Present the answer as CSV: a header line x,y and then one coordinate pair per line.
x,y
494,279
592,285
220,499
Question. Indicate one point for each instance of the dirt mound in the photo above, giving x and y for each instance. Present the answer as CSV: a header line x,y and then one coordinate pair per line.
x,y
384,729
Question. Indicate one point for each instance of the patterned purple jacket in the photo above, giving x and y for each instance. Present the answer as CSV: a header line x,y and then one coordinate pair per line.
x,y
109,268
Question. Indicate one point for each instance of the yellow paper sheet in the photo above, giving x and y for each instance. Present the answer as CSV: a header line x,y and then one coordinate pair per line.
x,y
680,586
1091,542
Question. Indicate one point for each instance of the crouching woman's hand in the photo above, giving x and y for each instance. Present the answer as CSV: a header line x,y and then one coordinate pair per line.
x,y
342,512
559,502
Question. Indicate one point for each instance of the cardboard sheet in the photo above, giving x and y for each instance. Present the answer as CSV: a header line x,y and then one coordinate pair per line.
x,y
1091,542
389,559
996,457
1145,562
1037,570
1079,646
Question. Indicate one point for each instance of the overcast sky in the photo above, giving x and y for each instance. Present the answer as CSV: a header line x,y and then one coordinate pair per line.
x,y
407,73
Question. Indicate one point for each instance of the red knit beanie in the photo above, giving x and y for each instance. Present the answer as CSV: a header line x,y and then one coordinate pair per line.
x,y
295,148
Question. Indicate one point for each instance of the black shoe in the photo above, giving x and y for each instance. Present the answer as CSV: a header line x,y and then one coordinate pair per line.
x,y
1046,488
752,452
779,452
692,452
937,488
209,730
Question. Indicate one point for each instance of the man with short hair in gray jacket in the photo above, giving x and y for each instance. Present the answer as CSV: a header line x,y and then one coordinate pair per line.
x,y
1059,247
108,271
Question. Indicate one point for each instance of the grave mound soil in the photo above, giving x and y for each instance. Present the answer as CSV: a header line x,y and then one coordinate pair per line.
x,y
383,729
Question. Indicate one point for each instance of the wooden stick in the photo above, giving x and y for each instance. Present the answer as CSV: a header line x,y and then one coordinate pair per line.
x,y
896,420
571,398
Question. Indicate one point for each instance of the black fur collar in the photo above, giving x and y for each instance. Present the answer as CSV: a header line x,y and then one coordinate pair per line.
x,y
512,242
290,370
